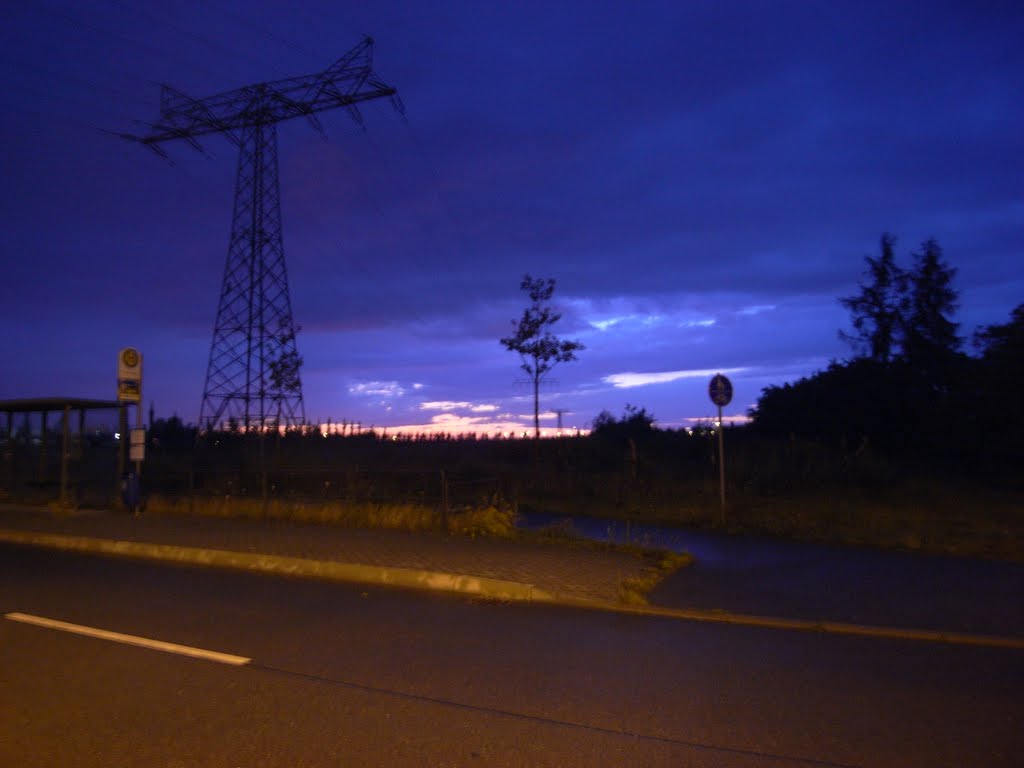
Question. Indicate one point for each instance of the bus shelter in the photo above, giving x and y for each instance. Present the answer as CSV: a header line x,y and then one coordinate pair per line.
x,y
67,440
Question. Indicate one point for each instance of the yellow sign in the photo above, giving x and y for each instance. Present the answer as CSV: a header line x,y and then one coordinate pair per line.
x,y
129,365
128,391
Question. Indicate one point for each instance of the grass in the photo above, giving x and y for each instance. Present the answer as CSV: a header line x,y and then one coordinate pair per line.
x,y
492,520
633,590
486,520
917,518
921,516
661,563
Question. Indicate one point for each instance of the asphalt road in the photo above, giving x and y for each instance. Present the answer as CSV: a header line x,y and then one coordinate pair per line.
x,y
346,676
775,576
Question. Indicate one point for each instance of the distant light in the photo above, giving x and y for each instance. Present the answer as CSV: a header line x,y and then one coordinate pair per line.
x,y
117,435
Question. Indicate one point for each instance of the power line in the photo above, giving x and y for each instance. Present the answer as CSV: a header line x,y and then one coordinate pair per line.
x,y
74,21
262,30
56,76
211,44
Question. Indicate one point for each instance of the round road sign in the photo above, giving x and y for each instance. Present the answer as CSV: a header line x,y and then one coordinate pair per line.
x,y
720,390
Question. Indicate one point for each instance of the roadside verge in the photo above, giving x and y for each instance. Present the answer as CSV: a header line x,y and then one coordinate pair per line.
x,y
476,586
410,578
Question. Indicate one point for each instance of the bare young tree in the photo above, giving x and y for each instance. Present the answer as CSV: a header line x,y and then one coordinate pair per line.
x,y
283,372
539,349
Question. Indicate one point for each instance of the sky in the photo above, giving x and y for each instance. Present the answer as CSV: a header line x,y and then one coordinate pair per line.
x,y
702,180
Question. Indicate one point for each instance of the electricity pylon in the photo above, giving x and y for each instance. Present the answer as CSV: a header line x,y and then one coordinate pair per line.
x,y
252,376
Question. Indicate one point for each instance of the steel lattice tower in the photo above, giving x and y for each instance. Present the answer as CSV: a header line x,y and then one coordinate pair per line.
x,y
252,376
254,331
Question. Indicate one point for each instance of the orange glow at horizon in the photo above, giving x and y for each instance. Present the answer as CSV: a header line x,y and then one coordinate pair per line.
x,y
454,427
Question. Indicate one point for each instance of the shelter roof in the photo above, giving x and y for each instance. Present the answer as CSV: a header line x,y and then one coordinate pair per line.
x,y
40,404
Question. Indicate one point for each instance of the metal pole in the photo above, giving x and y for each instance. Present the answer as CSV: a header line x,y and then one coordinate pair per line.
x,y
9,451
122,430
65,454
42,449
721,461
138,422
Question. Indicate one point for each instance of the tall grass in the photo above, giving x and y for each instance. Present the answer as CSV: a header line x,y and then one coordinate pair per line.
x,y
490,520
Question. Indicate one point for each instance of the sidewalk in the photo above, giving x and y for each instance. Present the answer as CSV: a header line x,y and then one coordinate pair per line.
x,y
495,568
801,587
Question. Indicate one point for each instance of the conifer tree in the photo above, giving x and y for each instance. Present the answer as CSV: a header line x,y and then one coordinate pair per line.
x,y
930,339
875,311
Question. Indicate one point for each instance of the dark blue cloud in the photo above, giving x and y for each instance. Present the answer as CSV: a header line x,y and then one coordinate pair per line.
x,y
702,180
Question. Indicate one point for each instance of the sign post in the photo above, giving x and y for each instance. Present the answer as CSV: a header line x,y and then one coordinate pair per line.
x,y
720,391
129,390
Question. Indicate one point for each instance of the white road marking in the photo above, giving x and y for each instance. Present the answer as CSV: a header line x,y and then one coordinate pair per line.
x,y
118,637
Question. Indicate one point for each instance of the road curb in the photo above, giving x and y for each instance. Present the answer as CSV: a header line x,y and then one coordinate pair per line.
x,y
410,578
806,625
478,586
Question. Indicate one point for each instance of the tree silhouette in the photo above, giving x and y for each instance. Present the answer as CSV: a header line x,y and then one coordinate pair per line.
x,y
998,378
930,340
876,309
539,349
284,372
1004,344
912,393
